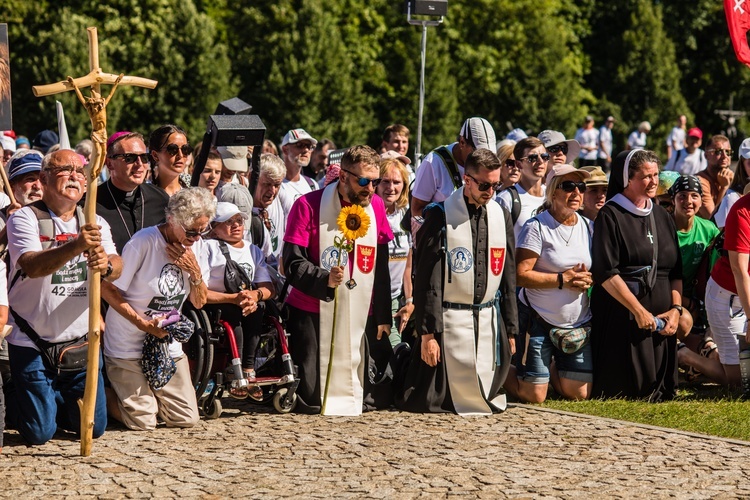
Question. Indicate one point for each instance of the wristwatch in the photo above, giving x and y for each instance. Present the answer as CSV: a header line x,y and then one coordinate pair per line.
x,y
678,307
106,274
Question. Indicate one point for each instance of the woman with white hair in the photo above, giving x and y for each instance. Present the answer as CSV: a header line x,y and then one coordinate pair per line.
x,y
637,139
162,267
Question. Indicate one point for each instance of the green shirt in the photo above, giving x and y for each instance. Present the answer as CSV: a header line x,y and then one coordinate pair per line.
x,y
693,244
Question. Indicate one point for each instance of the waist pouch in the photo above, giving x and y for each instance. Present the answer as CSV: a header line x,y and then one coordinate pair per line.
x,y
62,357
570,340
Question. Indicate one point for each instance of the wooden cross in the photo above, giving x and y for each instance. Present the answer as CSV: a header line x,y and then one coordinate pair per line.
x,y
96,106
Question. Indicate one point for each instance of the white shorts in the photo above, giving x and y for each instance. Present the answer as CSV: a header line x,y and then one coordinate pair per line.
x,y
727,320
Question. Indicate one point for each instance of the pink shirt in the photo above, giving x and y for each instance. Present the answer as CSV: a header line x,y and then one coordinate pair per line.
x,y
303,228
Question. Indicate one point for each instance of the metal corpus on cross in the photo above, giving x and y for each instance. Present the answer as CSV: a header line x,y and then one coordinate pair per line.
x,y
96,106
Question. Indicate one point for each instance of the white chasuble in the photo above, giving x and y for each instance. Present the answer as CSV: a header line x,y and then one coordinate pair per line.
x,y
468,361
346,389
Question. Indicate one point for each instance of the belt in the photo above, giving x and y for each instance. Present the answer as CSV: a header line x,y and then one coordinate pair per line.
x,y
470,307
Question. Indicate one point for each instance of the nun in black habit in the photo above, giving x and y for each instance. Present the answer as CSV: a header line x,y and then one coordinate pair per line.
x,y
638,274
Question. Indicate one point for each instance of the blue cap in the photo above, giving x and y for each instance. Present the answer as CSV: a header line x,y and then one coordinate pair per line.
x,y
21,165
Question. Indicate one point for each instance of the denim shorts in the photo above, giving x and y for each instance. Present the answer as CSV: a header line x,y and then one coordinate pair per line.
x,y
534,367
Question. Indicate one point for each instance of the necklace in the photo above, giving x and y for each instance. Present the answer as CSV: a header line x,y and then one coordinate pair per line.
x,y
572,230
143,210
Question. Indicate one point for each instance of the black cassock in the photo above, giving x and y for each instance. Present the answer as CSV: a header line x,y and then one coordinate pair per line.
x,y
424,389
628,361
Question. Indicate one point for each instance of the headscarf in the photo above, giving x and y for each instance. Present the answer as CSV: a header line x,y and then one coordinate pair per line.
x,y
686,183
157,365
618,180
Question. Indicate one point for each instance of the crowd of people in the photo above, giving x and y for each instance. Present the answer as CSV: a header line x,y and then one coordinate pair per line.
x,y
494,268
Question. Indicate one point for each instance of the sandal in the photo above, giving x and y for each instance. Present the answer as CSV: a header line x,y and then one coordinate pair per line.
x,y
707,346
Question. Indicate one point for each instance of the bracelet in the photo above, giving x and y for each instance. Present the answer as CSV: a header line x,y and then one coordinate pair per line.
x,y
410,300
559,281
196,282
260,296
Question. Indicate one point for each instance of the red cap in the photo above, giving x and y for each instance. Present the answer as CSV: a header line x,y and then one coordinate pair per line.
x,y
695,132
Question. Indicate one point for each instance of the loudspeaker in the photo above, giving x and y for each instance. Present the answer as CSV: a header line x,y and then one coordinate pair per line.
x,y
233,106
429,7
237,130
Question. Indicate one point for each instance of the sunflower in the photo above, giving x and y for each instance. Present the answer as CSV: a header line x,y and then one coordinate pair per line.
x,y
353,222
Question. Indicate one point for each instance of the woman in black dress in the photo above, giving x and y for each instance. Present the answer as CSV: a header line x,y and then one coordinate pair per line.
x,y
631,234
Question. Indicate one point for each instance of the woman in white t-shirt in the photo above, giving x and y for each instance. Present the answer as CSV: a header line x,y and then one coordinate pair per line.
x,y
553,256
394,189
162,267
238,308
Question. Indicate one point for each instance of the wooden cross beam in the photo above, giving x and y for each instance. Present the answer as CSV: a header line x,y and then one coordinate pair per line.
x,y
96,106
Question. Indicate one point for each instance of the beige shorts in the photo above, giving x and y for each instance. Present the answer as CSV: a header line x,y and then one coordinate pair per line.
x,y
175,403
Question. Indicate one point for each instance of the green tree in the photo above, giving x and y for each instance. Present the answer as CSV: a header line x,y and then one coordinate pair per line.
x,y
634,65
164,40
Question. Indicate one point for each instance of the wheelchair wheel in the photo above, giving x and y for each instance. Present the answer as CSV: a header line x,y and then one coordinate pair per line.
x,y
213,410
281,404
200,351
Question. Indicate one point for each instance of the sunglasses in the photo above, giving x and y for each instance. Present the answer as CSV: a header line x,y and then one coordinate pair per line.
x,y
172,149
534,158
510,163
130,158
570,186
363,181
557,148
234,221
304,145
718,152
192,233
484,186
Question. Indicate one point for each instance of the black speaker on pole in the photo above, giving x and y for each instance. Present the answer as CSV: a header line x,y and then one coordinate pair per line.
x,y
428,7
232,125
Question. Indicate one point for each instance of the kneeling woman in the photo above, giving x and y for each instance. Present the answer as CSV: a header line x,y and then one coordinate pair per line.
x,y
162,266
239,298
553,255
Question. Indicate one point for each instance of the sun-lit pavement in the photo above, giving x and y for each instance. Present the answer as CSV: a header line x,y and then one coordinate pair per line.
x,y
521,453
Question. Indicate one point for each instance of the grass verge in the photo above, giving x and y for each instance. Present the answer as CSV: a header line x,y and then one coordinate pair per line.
x,y
702,409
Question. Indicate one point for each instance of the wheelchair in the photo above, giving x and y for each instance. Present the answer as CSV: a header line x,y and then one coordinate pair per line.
x,y
215,366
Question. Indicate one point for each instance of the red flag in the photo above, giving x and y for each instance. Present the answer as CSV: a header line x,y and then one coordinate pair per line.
x,y
738,20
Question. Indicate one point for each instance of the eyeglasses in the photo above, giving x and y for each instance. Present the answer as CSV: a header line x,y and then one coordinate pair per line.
x,y
534,158
234,221
131,158
718,152
172,149
557,148
570,186
363,181
192,233
304,145
484,186
67,170
510,163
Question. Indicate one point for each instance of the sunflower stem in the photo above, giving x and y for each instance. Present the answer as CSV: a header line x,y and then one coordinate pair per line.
x,y
333,333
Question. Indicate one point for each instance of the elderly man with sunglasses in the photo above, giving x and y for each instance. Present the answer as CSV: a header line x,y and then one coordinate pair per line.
x,y
51,252
464,298
717,177
125,201
337,288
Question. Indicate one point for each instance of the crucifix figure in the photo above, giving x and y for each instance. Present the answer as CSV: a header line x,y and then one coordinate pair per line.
x,y
96,106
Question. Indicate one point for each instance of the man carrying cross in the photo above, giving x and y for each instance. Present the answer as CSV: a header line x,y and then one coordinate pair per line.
x,y
48,296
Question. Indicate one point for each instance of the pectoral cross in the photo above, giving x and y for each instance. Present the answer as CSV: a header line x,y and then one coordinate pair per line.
x,y
96,106
650,237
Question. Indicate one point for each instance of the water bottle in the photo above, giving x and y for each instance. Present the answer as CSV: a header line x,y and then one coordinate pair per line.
x,y
660,324
745,371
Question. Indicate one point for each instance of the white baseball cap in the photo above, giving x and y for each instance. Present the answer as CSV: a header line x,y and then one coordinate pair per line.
x,y
296,135
226,210
553,137
234,157
479,132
